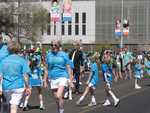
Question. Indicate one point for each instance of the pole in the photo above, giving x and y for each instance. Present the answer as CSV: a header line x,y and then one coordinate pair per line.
x,y
121,43
18,24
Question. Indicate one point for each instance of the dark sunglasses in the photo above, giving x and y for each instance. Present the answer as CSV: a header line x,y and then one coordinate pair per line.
x,y
54,45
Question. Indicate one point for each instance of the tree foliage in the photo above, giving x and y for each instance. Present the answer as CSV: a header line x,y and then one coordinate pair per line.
x,y
29,18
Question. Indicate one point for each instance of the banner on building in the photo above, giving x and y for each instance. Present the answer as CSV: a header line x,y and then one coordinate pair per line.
x,y
67,8
125,28
55,11
118,32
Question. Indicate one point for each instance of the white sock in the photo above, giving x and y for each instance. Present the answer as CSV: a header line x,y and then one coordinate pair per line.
x,y
70,93
93,99
21,104
61,110
41,103
25,103
113,95
135,81
81,98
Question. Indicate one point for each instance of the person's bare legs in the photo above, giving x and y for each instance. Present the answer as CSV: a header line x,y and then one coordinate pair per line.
x,y
87,89
58,94
13,108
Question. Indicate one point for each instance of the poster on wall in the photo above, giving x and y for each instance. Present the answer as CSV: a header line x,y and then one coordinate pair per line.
x,y
55,11
125,28
67,8
118,32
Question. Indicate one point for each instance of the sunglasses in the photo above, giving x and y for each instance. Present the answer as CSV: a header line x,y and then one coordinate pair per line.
x,y
54,45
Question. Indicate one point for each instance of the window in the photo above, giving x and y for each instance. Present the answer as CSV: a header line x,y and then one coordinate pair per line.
x,y
83,29
84,17
49,18
49,25
54,28
69,28
76,23
49,29
63,28
76,18
83,23
76,29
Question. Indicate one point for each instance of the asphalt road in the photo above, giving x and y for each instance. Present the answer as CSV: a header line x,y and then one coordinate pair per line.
x,y
131,100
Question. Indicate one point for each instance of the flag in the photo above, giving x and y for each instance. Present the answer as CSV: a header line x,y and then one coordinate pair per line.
x,y
55,11
118,32
67,8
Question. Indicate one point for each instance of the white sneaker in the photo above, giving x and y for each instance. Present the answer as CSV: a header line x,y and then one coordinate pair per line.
x,y
116,102
66,95
78,102
137,86
70,97
107,103
92,104
21,105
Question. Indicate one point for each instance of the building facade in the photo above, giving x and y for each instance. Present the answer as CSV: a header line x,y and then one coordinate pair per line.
x,y
81,28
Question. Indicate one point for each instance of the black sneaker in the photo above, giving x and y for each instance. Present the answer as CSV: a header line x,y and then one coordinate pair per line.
x,y
25,108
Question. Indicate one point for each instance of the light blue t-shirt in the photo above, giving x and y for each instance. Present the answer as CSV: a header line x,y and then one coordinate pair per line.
x,y
137,70
13,68
147,66
95,77
3,52
35,79
107,69
57,64
127,57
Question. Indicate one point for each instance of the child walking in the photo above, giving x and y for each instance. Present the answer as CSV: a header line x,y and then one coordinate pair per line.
x,y
91,83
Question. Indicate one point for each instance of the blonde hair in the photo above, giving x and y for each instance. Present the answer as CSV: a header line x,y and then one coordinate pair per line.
x,y
95,57
13,47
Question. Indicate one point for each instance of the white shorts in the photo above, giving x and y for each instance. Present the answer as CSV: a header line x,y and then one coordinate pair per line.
x,y
54,84
138,76
14,96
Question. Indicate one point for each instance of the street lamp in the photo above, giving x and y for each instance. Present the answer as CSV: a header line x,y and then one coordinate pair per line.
x,y
121,42
18,24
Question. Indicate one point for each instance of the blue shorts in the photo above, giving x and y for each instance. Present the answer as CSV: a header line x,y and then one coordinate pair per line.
x,y
35,82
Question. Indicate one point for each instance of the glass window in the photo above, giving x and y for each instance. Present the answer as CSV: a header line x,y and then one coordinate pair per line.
x,y
76,17
63,28
83,29
76,29
49,30
84,17
69,28
54,28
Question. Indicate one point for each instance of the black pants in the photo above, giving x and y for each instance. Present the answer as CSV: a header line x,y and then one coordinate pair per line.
x,y
77,78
